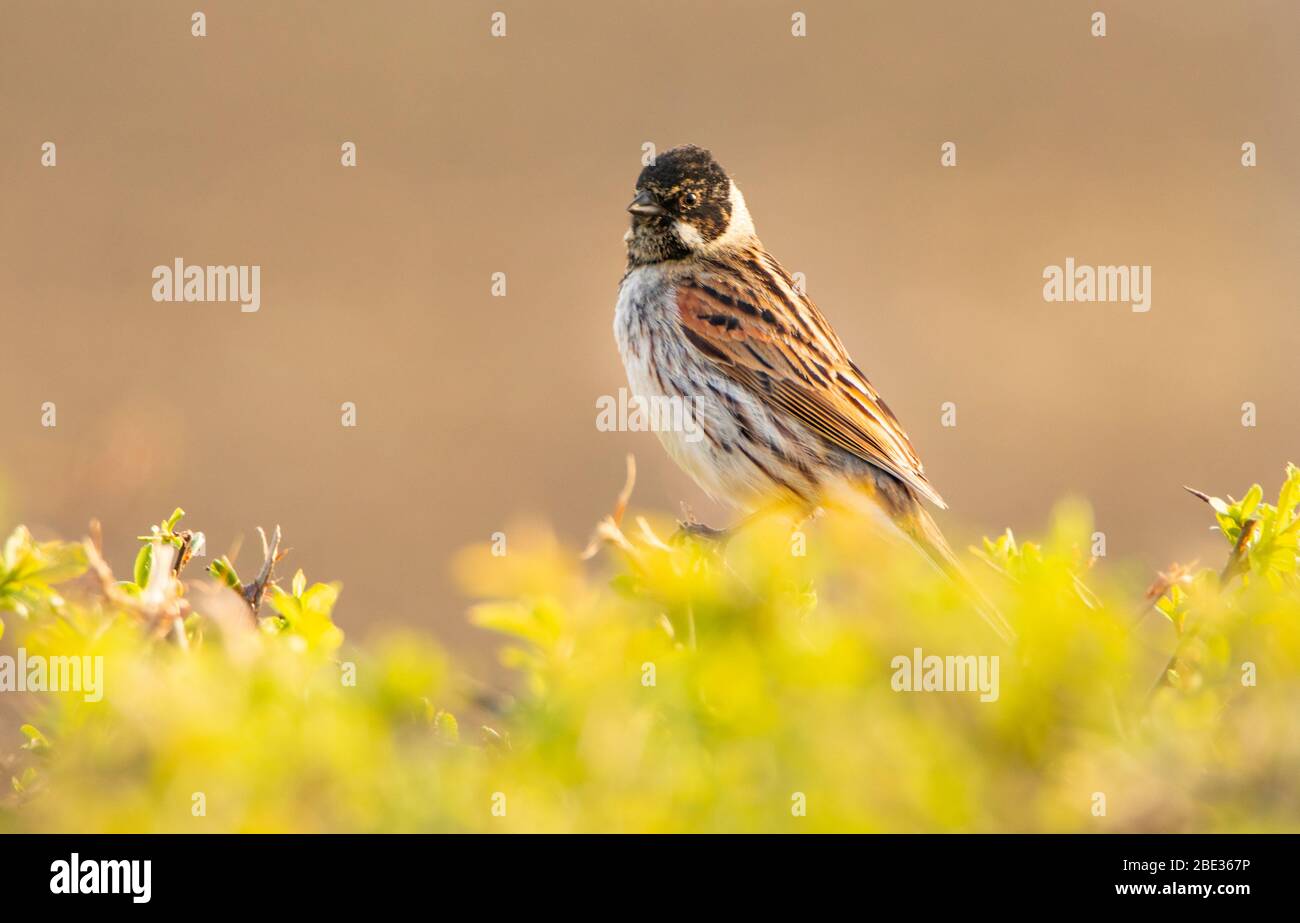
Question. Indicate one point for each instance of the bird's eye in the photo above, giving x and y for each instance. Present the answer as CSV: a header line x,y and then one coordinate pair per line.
x,y
690,200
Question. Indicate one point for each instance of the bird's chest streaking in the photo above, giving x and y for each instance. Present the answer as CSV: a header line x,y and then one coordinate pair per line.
x,y
733,446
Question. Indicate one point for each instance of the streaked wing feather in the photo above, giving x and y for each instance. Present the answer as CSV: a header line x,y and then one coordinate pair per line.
x,y
773,341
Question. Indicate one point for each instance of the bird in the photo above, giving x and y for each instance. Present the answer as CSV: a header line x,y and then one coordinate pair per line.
x,y
707,316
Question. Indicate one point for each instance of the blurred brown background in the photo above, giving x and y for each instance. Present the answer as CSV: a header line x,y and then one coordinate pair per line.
x,y
479,155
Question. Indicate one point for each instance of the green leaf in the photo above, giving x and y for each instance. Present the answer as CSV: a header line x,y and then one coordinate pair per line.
x,y
309,616
35,739
1250,501
224,572
320,598
1219,506
1287,497
29,568
55,562
538,623
142,560
445,726
21,784
13,545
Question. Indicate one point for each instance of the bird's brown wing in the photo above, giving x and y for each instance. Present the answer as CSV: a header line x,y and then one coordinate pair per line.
x,y
748,319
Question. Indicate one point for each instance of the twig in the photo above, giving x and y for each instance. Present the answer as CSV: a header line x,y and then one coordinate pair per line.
x,y
254,591
1236,560
164,611
104,574
625,495
609,529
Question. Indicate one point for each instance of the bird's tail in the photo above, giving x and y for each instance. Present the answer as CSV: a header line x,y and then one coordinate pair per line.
x,y
920,526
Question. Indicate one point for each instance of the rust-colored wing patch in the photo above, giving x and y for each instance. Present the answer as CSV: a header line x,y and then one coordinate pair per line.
x,y
762,334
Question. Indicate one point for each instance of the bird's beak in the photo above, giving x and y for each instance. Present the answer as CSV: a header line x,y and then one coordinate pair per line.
x,y
645,204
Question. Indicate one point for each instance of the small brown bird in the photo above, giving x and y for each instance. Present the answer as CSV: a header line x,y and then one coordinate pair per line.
x,y
707,316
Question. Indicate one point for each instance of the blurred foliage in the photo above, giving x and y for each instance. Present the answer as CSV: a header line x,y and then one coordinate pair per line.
x,y
29,570
679,686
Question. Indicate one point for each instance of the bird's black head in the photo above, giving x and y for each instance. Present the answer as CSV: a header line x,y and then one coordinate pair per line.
x,y
684,202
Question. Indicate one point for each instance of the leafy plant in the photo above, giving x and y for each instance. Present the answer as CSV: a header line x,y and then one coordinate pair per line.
x,y
29,570
676,685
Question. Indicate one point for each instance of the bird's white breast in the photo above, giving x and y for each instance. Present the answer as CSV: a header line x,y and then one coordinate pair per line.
x,y
661,363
